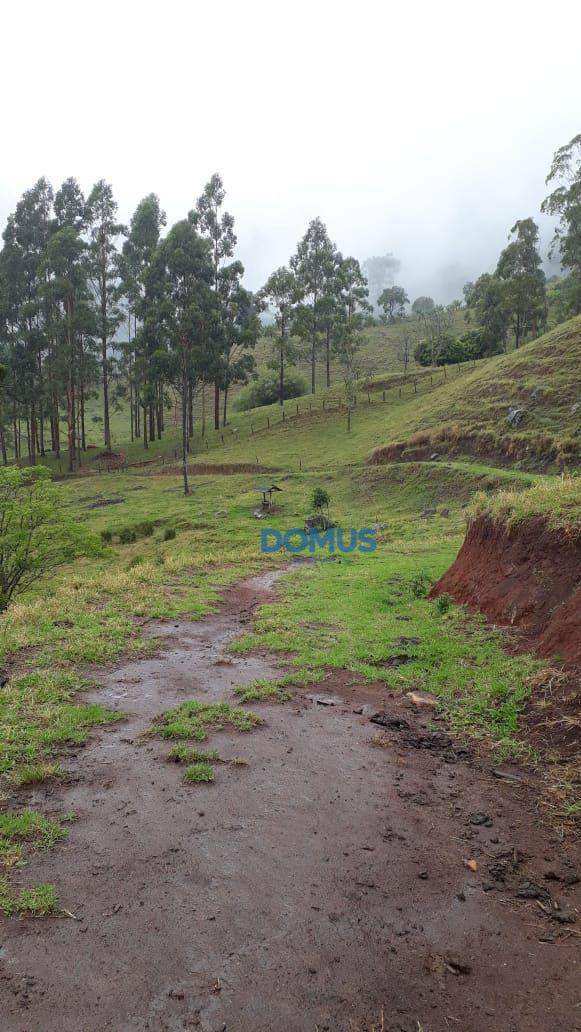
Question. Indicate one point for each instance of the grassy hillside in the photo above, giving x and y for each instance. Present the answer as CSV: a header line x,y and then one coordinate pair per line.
x,y
465,411
380,355
359,612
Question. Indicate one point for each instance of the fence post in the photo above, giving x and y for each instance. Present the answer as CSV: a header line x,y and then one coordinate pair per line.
x,y
268,421
445,373
222,436
384,395
400,392
368,398
297,408
415,386
283,416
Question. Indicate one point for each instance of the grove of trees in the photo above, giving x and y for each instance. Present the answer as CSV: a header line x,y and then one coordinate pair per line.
x,y
141,316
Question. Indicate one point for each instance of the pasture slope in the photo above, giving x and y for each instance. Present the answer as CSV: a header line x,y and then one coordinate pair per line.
x,y
246,792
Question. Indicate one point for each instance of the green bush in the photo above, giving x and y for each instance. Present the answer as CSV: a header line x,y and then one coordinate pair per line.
x,y
106,536
444,602
169,534
38,532
144,529
447,351
127,536
265,390
320,499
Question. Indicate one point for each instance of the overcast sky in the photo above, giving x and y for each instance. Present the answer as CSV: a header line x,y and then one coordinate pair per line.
x,y
425,129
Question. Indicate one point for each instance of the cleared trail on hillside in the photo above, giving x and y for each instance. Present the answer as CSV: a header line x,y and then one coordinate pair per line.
x,y
319,887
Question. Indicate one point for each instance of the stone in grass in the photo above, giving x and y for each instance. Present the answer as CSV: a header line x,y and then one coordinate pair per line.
x,y
515,416
421,699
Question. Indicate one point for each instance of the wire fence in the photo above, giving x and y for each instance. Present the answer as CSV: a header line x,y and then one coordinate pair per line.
x,y
253,426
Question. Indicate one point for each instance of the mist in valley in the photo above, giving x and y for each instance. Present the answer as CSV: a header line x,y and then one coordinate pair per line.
x,y
429,153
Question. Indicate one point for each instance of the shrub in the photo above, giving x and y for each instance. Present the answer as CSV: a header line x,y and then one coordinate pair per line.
x,y
38,532
443,603
447,351
106,536
127,535
421,584
169,534
266,390
320,499
144,529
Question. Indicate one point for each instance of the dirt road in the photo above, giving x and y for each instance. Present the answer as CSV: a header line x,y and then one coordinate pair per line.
x,y
320,887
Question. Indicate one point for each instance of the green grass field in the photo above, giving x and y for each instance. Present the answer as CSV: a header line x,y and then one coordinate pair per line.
x,y
353,612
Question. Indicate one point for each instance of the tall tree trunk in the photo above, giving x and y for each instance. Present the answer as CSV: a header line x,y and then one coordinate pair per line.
x,y
32,433
203,409
145,444
82,412
106,419
328,356
71,422
185,437
40,407
190,408
281,373
16,435
225,405
216,406
3,441
159,416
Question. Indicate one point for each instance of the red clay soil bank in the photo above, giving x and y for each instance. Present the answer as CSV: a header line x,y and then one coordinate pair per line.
x,y
526,576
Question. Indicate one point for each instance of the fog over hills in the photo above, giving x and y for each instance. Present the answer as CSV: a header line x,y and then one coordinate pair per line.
x,y
429,152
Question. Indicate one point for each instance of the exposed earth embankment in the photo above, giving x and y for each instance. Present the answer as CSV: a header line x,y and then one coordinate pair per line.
x,y
526,575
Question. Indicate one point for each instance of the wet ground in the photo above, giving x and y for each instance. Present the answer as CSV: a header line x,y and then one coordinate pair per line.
x,y
351,874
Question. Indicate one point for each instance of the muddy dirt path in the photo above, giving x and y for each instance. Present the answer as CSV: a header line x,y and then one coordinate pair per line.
x,y
318,888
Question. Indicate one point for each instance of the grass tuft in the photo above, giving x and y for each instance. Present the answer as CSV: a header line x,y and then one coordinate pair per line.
x,y
199,773
185,754
38,901
30,828
192,720
258,691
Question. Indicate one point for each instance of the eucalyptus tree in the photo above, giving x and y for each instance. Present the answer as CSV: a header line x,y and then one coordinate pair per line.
x,y
104,231
565,203
137,284
519,267
279,295
217,227
239,327
330,311
25,239
393,301
353,304
487,298
423,305
312,265
67,290
188,309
